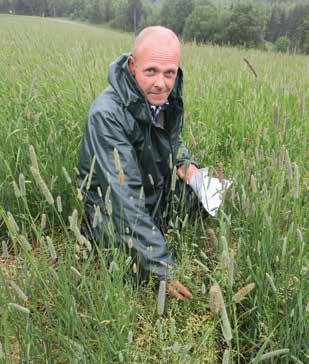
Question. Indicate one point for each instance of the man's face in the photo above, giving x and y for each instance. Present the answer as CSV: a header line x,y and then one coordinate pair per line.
x,y
155,70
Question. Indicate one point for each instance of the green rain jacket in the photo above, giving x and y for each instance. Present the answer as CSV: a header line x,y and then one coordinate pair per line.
x,y
121,118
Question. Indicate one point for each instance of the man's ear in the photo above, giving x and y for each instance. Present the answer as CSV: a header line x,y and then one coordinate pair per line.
x,y
132,65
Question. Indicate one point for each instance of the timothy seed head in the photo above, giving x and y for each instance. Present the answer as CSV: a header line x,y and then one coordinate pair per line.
x,y
42,185
173,182
22,185
203,288
19,291
117,160
299,234
161,298
66,175
25,243
130,243
15,307
243,292
76,272
253,184
130,337
51,248
151,179
212,237
59,204
215,298
5,251
271,282
33,157
273,354
73,220
17,192
43,221
13,224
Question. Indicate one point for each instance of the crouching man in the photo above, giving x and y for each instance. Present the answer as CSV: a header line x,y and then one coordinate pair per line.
x,y
130,146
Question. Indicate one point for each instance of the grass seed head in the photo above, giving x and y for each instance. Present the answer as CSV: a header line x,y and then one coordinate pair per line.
x,y
19,291
59,204
66,175
5,251
130,243
117,160
13,224
76,272
130,337
22,184
51,248
42,185
215,298
33,158
273,354
161,298
17,192
271,282
299,234
43,221
212,237
243,292
151,179
15,307
25,243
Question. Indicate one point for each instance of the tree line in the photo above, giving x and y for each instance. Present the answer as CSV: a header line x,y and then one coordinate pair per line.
x,y
282,25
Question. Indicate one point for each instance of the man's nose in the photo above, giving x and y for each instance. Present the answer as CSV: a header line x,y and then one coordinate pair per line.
x,y
159,82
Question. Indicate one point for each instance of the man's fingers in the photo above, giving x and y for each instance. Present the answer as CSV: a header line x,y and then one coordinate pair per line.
x,y
177,290
184,291
174,293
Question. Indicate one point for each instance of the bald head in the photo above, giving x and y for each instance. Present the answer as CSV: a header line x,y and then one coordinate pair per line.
x,y
156,38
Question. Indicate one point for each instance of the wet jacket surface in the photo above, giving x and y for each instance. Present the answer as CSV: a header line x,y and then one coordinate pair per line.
x,y
120,118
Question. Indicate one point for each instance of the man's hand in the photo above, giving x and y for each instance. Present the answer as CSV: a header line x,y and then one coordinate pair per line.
x,y
186,175
177,290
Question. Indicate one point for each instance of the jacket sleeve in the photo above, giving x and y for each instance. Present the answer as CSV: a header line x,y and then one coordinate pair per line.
x,y
131,219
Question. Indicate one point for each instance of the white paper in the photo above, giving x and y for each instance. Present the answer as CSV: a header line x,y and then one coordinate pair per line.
x,y
209,190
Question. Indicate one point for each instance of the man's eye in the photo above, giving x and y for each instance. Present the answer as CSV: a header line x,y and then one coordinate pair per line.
x,y
150,72
170,73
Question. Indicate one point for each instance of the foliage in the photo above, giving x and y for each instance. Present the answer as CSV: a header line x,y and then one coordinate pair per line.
x,y
282,44
174,13
245,25
205,24
234,22
69,304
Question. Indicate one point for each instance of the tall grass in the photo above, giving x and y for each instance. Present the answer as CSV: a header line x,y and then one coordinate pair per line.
x,y
61,300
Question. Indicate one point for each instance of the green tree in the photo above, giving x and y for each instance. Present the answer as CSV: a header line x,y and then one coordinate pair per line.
x,y
282,44
174,13
304,35
205,24
276,25
246,25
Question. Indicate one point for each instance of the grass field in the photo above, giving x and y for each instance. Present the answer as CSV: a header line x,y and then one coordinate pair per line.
x,y
55,308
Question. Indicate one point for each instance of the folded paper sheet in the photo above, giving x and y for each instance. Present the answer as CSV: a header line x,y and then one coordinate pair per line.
x,y
209,190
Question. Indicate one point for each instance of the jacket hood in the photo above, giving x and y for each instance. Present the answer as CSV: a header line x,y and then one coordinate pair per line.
x,y
122,81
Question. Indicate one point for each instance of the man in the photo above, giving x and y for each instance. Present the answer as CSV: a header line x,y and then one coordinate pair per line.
x,y
132,139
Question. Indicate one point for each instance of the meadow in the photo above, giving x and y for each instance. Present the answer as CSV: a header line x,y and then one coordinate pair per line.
x,y
63,302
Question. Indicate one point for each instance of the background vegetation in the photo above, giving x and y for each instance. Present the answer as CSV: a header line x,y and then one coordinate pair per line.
x,y
250,23
63,301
